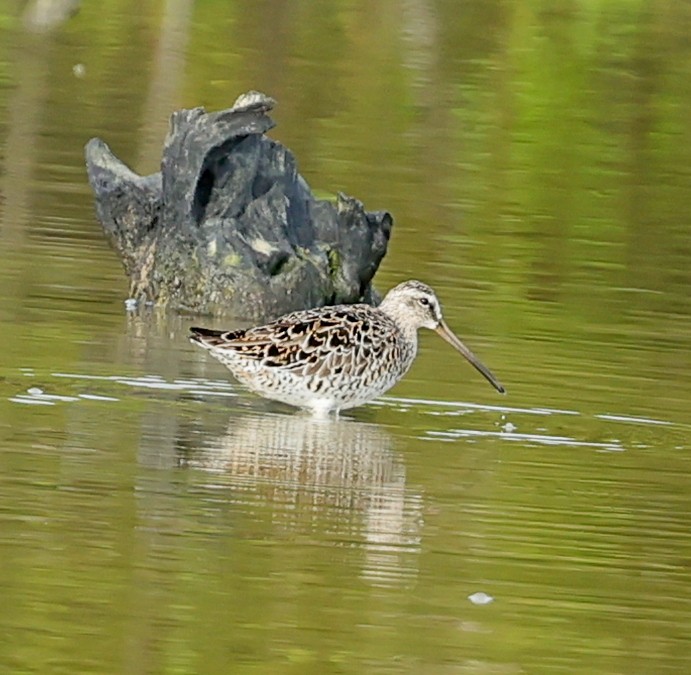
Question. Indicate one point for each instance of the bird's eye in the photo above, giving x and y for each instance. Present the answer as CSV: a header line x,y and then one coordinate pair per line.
x,y
424,301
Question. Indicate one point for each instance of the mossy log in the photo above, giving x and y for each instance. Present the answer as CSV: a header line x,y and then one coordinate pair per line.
x,y
228,226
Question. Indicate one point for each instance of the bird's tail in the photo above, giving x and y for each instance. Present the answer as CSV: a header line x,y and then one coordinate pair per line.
x,y
206,337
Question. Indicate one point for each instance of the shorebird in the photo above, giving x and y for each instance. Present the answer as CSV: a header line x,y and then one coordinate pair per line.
x,y
332,358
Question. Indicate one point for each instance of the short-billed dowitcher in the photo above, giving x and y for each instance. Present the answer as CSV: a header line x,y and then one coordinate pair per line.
x,y
332,358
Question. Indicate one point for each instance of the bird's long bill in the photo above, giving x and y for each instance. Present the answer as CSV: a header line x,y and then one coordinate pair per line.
x,y
444,331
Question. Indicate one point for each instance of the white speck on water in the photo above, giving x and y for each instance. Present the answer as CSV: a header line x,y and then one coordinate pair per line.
x,y
632,420
480,598
30,400
58,397
97,397
37,396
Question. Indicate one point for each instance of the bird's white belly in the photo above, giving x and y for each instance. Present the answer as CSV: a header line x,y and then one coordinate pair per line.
x,y
303,392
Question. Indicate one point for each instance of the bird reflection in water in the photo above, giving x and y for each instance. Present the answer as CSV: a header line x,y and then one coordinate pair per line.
x,y
335,475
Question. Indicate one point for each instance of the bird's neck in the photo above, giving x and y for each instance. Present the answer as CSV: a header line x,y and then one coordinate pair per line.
x,y
399,316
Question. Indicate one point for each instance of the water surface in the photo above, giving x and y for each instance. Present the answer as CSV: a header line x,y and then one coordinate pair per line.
x,y
156,518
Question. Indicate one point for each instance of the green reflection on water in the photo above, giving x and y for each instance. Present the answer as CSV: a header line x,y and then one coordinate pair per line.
x,y
536,159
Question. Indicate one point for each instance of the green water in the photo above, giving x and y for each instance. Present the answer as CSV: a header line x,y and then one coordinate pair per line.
x,y
156,518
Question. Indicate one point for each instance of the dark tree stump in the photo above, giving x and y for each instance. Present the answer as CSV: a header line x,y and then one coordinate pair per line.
x,y
229,226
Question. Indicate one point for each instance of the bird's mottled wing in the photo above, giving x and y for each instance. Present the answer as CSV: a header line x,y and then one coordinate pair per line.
x,y
307,340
